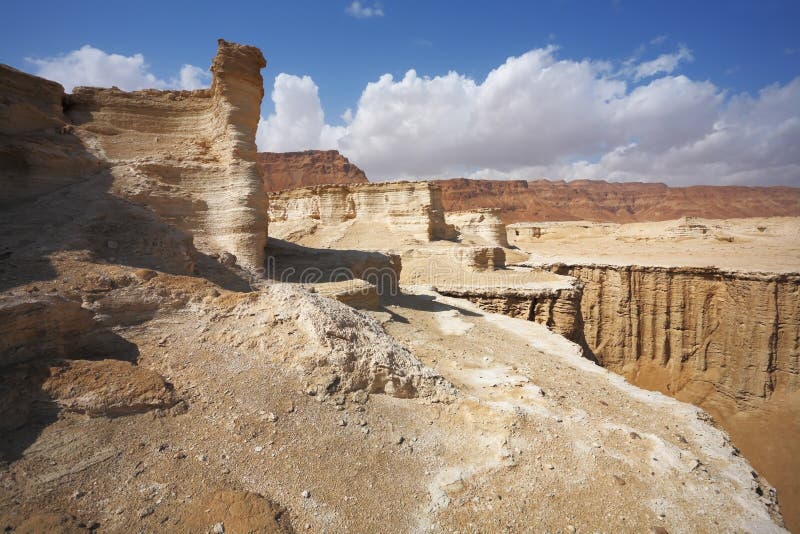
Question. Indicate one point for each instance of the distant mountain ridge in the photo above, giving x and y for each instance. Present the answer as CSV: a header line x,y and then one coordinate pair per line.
x,y
546,200
624,202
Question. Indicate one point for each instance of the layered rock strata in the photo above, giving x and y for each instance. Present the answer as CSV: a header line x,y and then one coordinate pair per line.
x,y
188,155
290,170
407,208
694,330
34,326
557,308
483,225
38,153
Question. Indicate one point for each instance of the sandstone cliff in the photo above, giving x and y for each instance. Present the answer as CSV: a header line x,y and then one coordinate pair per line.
x,y
595,200
188,155
38,154
411,209
694,330
483,225
289,170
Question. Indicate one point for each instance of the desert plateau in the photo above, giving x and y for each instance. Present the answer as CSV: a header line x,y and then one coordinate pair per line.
x,y
209,325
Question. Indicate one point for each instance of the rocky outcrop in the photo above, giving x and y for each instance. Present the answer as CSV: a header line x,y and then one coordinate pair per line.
x,y
480,258
106,388
558,308
188,155
483,225
596,200
38,153
408,208
290,170
36,327
356,293
289,262
343,350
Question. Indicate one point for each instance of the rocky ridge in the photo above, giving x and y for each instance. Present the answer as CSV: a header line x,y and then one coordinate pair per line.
x,y
599,201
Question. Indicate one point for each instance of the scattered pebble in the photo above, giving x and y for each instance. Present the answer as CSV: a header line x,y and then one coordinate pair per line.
x,y
219,528
258,448
549,466
306,494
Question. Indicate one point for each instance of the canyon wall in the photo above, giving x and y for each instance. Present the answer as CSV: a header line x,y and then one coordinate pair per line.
x,y
596,200
188,155
407,208
483,225
693,332
290,170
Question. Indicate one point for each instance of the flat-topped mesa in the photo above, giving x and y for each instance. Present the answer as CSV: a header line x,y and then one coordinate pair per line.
x,y
412,209
482,226
189,155
289,170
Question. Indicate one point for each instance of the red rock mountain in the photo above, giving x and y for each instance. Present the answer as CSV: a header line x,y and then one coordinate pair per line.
x,y
289,170
545,200
594,200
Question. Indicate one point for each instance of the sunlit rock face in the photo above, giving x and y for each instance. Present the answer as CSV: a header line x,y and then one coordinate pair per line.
x,y
188,155
407,208
290,170
482,225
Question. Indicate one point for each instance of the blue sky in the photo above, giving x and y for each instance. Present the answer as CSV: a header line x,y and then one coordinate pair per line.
x,y
739,47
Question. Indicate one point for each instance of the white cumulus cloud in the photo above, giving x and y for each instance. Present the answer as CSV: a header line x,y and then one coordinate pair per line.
x,y
91,66
666,63
191,78
363,10
539,116
298,122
